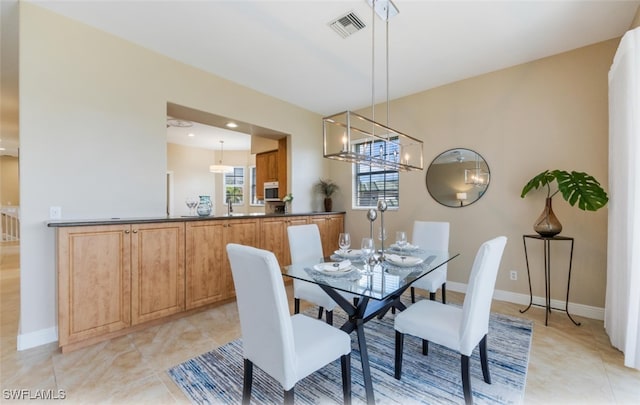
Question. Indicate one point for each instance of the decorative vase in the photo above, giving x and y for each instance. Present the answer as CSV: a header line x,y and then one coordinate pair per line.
x,y
204,206
287,207
328,204
547,224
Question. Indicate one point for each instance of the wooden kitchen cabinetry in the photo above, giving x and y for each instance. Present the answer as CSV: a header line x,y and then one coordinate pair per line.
x,y
266,170
330,227
275,238
272,166
157,270
208,274
113,276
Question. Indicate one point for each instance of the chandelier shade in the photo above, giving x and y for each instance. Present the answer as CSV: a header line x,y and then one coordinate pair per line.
x,y
221,168
353,138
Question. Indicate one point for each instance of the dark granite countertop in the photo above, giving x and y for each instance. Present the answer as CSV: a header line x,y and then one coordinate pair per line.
x,y
147,220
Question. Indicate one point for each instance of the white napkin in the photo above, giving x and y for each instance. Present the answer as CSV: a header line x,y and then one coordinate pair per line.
x,y
349,253
333,266
407,261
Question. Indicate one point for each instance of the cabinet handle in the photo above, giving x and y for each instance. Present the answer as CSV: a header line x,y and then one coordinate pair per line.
x,y
126,232
135,231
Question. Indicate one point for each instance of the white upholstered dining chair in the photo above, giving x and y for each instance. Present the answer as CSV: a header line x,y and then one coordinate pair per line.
x,y
460,329
305,246
286,347
431,236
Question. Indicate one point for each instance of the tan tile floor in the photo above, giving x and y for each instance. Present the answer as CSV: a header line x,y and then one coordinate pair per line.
x,y
568,364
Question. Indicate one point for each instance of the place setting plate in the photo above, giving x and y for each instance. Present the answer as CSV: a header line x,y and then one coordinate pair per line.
x,y
334,268
351,254
403,261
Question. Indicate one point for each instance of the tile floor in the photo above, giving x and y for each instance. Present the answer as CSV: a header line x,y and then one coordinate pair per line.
x,y
568,365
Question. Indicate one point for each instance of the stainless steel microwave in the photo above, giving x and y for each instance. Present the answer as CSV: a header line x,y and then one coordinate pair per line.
x,y
271,191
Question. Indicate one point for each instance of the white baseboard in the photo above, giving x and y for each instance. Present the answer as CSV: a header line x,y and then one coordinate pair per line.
x,y
523,299
38,338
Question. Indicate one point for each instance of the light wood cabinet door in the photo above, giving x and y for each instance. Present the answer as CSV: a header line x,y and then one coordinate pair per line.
x,y
208,274
266,170
243,232
157,279
330,227
94,281
205,251
275,238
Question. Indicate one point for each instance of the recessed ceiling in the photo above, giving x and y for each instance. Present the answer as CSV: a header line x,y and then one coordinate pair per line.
x,y
208,137
287,49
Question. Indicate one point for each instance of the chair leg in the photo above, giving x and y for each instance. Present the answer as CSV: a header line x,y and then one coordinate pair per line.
x,y
432,296
425,347
466,381
398,360
320,311
246,384
444,293
296,305
413,295
484,360
345,363
288,397
329,316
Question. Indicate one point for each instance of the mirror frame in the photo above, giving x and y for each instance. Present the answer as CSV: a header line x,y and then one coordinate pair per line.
x,y
463,186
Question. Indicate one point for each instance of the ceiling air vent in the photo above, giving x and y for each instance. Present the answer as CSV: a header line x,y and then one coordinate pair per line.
x,y
347,24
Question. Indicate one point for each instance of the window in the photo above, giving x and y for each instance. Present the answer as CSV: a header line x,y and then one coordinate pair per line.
x,y
373,183
252,188
234,186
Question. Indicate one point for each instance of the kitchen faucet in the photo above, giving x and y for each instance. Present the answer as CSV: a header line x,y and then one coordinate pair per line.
x,y
229,206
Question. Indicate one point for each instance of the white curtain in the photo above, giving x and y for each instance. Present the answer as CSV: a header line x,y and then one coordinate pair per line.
x,y
622,306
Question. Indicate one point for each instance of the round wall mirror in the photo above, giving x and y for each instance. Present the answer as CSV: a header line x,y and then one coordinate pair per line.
x,y
458,177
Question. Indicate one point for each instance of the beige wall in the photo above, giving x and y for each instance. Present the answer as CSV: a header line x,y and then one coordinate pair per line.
x,y
636,20
191,176
548,114
104,100
9,184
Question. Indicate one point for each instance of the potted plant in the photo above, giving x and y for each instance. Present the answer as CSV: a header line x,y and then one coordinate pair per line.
x,y
287,199
575,187
327,188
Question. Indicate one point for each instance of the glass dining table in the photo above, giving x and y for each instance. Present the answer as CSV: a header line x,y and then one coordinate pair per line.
x,y
376,287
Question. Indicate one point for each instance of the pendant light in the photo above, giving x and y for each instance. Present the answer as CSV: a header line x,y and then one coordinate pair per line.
x,y
353,138
221,168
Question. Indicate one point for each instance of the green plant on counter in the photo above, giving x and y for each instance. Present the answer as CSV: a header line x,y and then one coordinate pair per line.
x,y
575,187
326,187
288,198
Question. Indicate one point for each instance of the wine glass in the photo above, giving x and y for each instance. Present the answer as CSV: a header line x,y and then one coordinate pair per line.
x,y
401,240
192,203
344,241
367,248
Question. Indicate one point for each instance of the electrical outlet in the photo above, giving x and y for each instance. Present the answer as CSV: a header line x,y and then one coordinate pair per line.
x,y
55,212
513,275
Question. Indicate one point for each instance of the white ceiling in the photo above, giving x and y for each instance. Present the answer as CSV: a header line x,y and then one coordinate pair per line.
x,y
287,50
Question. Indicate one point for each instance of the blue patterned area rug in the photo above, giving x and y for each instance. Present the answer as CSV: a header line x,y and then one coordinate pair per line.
x,y
216,377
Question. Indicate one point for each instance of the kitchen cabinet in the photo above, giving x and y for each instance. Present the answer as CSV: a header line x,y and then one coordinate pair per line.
x,y
272,166
113,276
117,276
330,227
208,274
266,170
94,281
275,238
157,270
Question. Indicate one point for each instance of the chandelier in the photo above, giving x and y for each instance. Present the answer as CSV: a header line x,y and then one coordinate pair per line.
x,y
353,138
476,176
221,168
